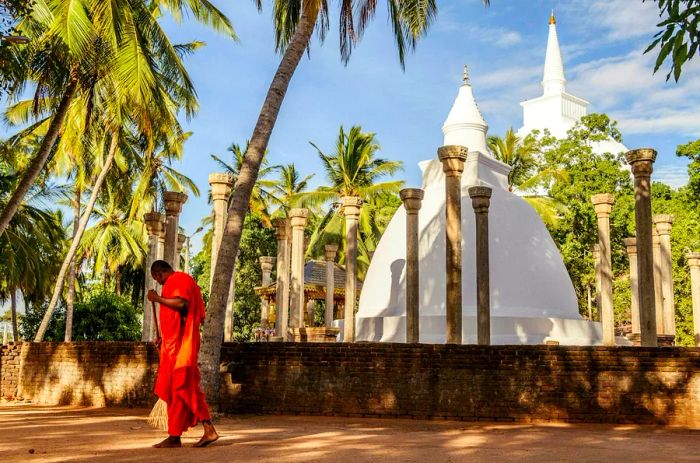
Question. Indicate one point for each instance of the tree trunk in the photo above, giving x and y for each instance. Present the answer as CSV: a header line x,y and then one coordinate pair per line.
x,y
37,164
13,310
240,199
73,268
60,279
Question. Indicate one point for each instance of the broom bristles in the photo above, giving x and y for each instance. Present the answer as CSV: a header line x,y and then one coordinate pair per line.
x,y
159,416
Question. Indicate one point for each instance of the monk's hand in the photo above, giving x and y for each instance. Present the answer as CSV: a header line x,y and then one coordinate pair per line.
x,y
158,341
153,296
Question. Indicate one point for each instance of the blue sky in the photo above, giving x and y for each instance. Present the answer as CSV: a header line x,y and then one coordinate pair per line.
x,y
504,46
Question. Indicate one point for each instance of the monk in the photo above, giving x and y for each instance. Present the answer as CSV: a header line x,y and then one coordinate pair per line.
x,y
181,314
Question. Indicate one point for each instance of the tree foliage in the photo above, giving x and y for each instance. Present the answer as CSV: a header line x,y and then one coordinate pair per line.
x,y
679,37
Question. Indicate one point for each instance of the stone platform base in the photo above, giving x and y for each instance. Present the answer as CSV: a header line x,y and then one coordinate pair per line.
x,y
504,330
662,340
313,334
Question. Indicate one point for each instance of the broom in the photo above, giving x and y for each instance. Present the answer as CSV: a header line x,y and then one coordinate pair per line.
x,y
159,415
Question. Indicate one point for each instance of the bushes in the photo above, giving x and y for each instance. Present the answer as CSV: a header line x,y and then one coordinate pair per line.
x,y
100,316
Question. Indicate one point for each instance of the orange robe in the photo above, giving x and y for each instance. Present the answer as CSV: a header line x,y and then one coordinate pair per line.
x,y
178,374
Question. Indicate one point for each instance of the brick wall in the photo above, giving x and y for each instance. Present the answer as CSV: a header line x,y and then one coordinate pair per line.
x,y
88,373
508,383
9,369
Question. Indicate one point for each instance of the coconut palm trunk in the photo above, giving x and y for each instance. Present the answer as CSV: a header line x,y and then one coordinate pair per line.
x,y
73,269
210,352
37,164
13,311
60,279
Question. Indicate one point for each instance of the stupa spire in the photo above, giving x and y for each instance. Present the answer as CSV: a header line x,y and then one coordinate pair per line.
x,y
465,125
553,81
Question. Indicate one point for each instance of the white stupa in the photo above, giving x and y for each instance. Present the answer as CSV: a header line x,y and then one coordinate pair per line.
x,y
557,110
532,297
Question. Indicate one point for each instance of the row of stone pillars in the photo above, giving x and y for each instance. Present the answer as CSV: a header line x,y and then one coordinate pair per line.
x,y
453,158
651,265
291,247
164,243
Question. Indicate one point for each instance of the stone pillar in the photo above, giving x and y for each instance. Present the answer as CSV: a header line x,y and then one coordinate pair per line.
x,y
453,158
282,296
330,252
595,250
181,238
481,200
603,206
693,259
310,312
161,240
154,227
663,223
266,264
641,162
221,185
296,300
412,198
173,206
631,244
351,209
658,288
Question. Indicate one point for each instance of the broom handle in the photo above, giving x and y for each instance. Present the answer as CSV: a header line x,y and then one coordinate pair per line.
x,y
155,318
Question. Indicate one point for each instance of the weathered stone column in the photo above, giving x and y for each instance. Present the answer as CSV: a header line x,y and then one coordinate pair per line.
x,y
658,288
296,300
603,206
181,238
221,185
161,239
641,161
173,207
693,259
412,198
282,296
595,250
663,223
266,264
154,227
453,158
330,252
631,244
351,209
481,200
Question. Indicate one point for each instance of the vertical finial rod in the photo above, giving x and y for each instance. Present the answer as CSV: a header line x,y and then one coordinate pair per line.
x,y
465,75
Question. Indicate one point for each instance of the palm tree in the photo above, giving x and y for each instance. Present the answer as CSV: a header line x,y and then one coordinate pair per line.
x,y
526,176
113,241
353,170
290,189
33,241
295,21
74,45
262,196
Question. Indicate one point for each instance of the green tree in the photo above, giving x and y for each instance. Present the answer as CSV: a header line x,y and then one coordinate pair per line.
x,y
679,37
353,170
289,190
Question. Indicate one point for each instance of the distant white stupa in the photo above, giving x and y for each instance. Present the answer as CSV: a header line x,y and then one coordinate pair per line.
x,y
532,297
557,110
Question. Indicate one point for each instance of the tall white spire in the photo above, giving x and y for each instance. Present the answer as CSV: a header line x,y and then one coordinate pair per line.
x,y
465,125
553,81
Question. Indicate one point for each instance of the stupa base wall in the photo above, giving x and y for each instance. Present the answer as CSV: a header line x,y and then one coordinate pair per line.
x,y
504,330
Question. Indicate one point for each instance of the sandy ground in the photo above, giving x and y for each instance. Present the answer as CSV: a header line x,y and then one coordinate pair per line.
x,y
31,433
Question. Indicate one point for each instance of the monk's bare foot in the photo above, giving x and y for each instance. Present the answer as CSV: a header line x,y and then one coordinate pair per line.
x,y
169,442
210,435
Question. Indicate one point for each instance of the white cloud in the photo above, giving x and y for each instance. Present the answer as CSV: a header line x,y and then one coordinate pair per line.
x,y
618,19
625,87
672,175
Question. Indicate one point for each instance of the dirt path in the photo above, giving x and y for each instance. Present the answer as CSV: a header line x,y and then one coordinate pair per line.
x,y
70,434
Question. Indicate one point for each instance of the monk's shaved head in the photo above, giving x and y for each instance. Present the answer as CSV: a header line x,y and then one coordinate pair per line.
x,y
161,266
160,271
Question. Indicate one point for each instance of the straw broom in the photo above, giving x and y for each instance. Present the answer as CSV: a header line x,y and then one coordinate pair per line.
x,y
159,415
